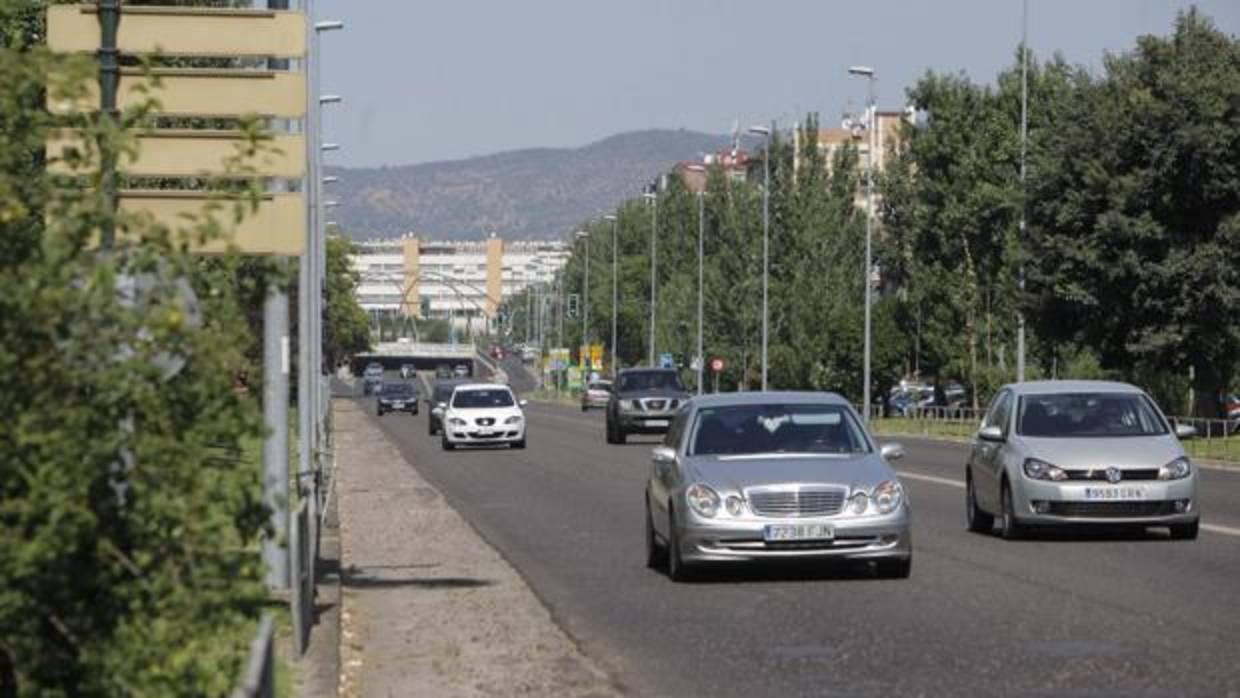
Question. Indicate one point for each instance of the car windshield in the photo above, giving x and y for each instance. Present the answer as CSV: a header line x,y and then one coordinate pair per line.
x,y
650,380
600,386
1070,415
397,389
777,428
443,392
482,398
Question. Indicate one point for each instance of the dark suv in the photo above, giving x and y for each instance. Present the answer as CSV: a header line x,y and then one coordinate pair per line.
x,y
643,401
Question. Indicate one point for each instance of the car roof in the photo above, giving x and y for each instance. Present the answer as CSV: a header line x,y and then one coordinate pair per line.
x,y
483,386
1047,387
768,397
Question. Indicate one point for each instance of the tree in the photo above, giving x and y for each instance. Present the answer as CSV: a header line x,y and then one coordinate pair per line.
x,y
345,325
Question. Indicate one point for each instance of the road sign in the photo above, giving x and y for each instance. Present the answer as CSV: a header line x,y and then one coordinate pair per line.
x,y
667,361
716,365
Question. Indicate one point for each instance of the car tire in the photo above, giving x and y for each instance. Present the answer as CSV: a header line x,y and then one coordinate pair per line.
x,y
655,554
447,445
611,432
1186,531
430,427
584,407
1009,527
380,412
977,520
894,569
677,569
622,436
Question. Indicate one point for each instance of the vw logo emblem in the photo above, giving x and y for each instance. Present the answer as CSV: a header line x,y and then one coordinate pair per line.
x,y
1114,475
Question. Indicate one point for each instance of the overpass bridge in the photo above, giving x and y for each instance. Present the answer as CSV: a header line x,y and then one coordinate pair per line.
x,y
426,356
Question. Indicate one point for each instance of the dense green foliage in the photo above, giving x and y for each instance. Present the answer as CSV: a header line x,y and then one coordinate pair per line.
x,y
1131,250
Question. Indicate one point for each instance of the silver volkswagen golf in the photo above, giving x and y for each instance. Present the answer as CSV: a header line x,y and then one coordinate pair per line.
x,y
774,476
1079,452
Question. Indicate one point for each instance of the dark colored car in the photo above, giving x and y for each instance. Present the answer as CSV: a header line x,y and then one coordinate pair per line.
x,y
397,397
643,401
441,391
443,371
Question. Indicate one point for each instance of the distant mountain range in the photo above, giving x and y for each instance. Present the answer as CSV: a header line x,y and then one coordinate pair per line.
x,y
536,193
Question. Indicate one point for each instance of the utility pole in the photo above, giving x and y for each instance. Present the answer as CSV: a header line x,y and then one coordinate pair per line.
x,y
1024,137
872,127
615,290
701,358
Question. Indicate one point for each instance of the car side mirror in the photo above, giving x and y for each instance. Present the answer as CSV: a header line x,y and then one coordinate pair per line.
x,y
991,433
663,455
1185,431
523,402
892,451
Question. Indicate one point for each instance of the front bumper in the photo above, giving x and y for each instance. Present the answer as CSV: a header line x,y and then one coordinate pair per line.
x,y
472,435
886,537
410,407
1066,503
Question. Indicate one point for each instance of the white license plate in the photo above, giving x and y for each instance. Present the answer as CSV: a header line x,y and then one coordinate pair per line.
x,y
1097,494
398,405
779,533
656,422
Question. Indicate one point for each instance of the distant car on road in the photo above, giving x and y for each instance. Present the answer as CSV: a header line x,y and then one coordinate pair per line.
x,y
1063,453
372,378
461,371
397,397
440,393
596,394
408,371
643,401
770,476
481,414
443,371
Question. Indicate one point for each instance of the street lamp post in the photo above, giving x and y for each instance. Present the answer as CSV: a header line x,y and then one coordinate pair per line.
x,y
653,197
766,238
615,289
868,73
701,201
1024,136
585,303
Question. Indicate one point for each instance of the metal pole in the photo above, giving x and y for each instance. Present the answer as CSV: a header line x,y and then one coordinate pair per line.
x,y
869,233
306,403
1024,136
615,292
318,251
766,246
654,229
109,12
275,448
701,359
585,311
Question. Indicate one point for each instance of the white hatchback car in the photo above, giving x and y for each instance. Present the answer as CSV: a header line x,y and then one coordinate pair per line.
x,y
480,414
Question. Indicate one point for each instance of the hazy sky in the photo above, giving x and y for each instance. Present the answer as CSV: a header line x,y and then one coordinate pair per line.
x,y
448,79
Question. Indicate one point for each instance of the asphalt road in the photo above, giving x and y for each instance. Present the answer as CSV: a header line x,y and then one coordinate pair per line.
x,y
1103,615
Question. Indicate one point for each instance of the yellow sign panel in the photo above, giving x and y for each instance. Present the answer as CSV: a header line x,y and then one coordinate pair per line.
x,y
204,92
182,31
277,227
190,153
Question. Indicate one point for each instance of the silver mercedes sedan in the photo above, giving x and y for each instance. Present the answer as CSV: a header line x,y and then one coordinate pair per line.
x,y
774,476
1079,452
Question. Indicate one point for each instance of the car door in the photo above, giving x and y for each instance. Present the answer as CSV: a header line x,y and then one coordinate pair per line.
x,y
665,477
986,459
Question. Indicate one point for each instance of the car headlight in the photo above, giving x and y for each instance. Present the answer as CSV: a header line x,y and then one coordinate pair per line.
x,y
515,419
887,496
626,405
703,500
858,503
456,422
735,505
1177,469
1041,470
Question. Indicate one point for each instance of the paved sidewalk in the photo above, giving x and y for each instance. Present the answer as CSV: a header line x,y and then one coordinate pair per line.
x,y
427,607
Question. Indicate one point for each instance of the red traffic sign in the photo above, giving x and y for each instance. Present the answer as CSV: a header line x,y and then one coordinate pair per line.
x,y
716,365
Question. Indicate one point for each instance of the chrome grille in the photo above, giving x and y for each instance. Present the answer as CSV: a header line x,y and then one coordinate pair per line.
x,y
804,501
655,404
485,421
1101,474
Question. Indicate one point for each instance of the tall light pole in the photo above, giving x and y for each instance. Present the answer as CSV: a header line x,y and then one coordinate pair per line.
x,y
871,128
585,302
653,197
1024,137
701,202
615,289
766,237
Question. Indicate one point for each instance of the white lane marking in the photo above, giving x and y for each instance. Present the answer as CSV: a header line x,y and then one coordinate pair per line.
x,y
931,478
1213,528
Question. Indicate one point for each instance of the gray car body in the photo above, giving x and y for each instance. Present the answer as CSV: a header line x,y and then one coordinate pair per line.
x,y
992,463
739,538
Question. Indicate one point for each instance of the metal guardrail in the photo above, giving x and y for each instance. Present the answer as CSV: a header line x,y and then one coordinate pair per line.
x,y
301,567
259,679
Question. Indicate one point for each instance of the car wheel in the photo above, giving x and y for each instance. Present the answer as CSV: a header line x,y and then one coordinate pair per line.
x,y
611,432
584,407
1186,531
1009,527
894,569
447,445
380,412
621,436
655,553
430,427
677,569
978,520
